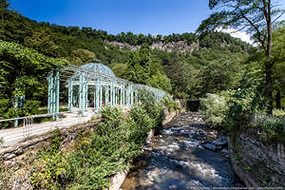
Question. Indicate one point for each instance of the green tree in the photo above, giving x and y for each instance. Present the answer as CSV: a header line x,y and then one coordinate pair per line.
x,y
23,72
278,56
43,40
81,56
183,77
220,74
3,8
254,16
161,81
139,65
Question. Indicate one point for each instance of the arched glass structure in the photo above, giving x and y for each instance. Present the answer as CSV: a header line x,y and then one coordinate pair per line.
x,y
91,87
98,68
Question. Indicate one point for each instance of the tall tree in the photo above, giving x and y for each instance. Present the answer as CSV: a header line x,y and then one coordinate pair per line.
x,y
278,56
3,8
4,4
256,17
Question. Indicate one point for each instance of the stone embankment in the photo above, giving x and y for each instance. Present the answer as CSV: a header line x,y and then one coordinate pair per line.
x,y
258,164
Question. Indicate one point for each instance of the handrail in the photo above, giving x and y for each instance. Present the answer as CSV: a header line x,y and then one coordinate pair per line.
x,y
33,116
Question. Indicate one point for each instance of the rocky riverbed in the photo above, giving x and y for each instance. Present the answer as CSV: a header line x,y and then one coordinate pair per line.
x,y
185,155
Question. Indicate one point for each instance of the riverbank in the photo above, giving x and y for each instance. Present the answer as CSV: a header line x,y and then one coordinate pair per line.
x,y
257,163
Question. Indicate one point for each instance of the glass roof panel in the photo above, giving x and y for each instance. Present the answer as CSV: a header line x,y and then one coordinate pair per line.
x,y
98,68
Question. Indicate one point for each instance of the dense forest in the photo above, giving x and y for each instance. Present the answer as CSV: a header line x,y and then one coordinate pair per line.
x,y
219,64
29,44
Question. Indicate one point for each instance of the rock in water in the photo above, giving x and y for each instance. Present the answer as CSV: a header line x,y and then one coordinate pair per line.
x,y
222,141
210,146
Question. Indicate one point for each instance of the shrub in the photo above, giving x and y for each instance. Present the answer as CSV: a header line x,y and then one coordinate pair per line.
x,y
31,107
269,127
170,104
278,113
4,105
49,172
152,107
110,148
214,108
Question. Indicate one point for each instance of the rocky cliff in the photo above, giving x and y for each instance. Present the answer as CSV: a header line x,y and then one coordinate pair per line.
x,y
180,46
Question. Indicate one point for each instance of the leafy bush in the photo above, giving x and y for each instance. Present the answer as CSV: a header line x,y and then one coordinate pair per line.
x,y
214,108
269,127
50,171
245,100
31,107
114,143
152,107
112,116
278,113
4,104
170,104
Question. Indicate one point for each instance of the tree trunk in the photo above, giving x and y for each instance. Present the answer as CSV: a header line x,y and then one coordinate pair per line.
x,y
278,99
269,63
269,86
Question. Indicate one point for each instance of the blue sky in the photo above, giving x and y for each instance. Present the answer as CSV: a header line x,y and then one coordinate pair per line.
x,y
114,16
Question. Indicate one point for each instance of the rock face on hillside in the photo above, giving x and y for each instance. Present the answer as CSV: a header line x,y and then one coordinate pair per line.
x,y
258,164
181,46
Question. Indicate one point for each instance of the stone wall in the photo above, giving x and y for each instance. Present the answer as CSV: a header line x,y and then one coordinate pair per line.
x,y
256,163
16,160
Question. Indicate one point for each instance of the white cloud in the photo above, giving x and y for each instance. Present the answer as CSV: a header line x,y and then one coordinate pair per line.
x,y
237,34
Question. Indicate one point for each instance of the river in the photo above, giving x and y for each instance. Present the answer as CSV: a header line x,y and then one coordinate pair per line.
x,y
185,155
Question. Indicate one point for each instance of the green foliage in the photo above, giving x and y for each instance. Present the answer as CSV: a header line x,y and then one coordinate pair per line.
x,y
145,68
220,74
215,108
269,127
234,108
119,69
278,56
183,76
140,115
108,149
152,107
81,56
160,81
23,74
31,107
278,113
170,104
44,40
223,41
141,39
112,116
245,100
50,171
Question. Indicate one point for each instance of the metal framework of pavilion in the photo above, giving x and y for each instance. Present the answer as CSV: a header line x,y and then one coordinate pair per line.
x,y
91,87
